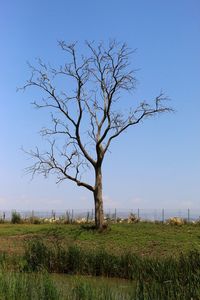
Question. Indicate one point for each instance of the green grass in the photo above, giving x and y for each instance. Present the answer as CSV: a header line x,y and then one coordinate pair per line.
x,y
159,261
24,286
139,290
92,288
41,286
53,257
146,239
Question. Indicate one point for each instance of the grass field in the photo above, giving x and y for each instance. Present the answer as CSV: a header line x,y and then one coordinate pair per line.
x,y
159,260
146,239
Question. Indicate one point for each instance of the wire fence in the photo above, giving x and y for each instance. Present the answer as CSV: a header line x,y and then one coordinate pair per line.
x,y
143,214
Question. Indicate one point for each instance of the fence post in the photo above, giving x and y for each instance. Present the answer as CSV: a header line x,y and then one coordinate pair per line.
x,y
88,216
155,215
53,214
188,215
138,213
67,216
72,216
163,215
115,214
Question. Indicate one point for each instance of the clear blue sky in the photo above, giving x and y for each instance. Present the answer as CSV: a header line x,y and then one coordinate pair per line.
x,y
154,165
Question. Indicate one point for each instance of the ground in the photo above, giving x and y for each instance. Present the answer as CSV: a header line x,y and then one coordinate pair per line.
x,y
146,239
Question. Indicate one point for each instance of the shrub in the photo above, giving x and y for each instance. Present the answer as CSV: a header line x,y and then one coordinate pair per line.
x,y
34,220
176,221
133,218
16,218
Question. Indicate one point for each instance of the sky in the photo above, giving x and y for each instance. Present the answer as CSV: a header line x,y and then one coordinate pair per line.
x,y
153,165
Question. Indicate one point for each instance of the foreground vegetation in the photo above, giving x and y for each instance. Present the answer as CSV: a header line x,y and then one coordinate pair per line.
x,y
160,261
145,239
151,278
39,287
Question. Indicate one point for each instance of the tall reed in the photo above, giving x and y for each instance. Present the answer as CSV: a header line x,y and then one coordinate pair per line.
x,y
74,260
27,286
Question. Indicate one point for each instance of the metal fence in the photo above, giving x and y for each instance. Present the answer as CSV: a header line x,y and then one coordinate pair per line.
x,y
143,214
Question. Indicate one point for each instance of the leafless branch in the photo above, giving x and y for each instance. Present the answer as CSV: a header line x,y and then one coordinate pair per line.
x,y
93,84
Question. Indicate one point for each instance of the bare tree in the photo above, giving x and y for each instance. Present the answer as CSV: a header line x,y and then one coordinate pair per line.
x,y
83,96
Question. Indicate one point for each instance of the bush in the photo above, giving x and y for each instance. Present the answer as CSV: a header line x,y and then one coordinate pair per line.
x,y
133,218
16,218
176,221
34,220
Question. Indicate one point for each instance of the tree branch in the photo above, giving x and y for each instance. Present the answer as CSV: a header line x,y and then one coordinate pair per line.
x,y
86,116
144,110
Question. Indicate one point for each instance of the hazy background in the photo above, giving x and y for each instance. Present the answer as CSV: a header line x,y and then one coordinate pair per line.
x,y
156,164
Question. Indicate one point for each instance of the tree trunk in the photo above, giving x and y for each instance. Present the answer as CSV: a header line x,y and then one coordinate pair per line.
x,y
98,199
